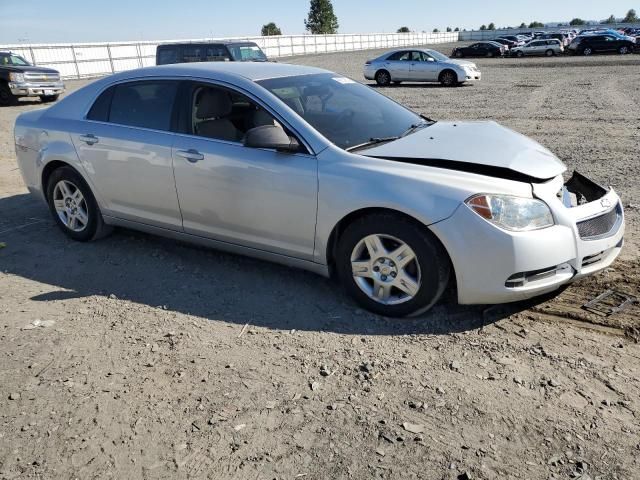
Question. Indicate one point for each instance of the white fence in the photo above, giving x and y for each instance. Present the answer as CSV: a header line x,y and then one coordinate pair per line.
x,y
491,34
82,60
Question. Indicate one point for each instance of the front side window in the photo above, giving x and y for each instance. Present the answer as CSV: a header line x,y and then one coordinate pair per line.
x,y
346,112
146,104
249,52
167,55
222,114
16,60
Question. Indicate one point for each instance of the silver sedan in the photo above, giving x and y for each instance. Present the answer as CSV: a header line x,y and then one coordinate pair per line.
x,y
420,65
311,169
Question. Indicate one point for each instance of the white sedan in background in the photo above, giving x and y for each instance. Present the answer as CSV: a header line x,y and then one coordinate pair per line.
x,y
420,65
548,47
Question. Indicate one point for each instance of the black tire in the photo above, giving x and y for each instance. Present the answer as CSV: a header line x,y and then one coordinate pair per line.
x,y
549,53
490,54
6,97
431,257
623,50
383,78
448,78
587,51
519,54
459,54
49,98
95,227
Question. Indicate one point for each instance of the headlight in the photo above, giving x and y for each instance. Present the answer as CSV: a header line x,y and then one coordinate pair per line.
x,y
16,77
518,214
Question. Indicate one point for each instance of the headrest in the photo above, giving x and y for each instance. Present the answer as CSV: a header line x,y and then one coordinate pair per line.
x,y
213,104
261,118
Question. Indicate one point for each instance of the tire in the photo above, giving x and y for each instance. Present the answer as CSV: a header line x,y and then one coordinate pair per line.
x,y
623,50
448,78
490,54
520,54
49,98
549,53
92,226
587,51
426,274
6,97
383,78
459,54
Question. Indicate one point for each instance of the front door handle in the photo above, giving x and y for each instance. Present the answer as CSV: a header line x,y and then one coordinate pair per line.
x,y
192,155
89,139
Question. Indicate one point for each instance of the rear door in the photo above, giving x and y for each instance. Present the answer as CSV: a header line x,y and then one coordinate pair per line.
x,y
125,146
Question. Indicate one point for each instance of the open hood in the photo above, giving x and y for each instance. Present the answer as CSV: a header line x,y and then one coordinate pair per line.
x,y
486,148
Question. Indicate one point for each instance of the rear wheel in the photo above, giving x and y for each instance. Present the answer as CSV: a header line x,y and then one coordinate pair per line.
x,y
383,78
73,206
623,50
549,53
448,78
48,98
587,51
391,265
6,97
459,54
520,54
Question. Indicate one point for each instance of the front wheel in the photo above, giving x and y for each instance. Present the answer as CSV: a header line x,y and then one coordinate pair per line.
x,y
48,98
6,97
520,54
391,265
448,79
383,78
587,51
73,206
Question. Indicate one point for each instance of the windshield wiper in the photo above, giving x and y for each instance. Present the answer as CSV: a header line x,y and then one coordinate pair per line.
x,y
372,141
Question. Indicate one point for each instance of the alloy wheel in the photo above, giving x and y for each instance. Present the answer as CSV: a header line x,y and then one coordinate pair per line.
x,y
386,269
70,205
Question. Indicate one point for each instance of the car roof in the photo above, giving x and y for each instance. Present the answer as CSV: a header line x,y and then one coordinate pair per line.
x,y
207,42
250,70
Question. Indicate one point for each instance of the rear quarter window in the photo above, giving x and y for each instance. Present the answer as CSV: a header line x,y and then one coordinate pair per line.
x,y
167,55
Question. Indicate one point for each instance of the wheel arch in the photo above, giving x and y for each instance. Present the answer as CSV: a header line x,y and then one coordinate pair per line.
x,y
445,70
48,169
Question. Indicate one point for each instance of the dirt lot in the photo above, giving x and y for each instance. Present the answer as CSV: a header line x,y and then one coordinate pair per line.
x,y
137,357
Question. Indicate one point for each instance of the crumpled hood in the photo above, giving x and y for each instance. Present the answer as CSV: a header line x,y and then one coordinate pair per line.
x,y
484,147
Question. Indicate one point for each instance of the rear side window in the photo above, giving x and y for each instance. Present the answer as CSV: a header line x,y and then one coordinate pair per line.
x,y
167,55
137,104
192,53
216,53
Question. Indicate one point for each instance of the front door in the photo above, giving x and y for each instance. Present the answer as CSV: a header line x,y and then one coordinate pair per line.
x,y
424,67
256,198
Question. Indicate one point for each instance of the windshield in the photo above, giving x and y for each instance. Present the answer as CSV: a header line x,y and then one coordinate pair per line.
x,y
346,112
13,60
437,55
247,52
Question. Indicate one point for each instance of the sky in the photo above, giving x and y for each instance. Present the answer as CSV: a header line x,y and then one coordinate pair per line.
x,y
40,21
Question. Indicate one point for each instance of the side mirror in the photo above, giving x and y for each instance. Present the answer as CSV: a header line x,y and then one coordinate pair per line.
x,y
271,137
431,59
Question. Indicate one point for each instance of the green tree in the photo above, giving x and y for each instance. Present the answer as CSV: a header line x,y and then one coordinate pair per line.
x,y
630,17
270,29
523,25
403,30
449,29
576,22
435,30
457,29
491,26
611,19
536,25
483,27
321,19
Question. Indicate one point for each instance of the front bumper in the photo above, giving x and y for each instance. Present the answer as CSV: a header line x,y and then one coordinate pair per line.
x,y
493,265
33,89
470,76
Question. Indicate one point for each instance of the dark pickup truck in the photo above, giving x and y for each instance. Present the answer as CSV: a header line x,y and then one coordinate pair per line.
x,y
18,78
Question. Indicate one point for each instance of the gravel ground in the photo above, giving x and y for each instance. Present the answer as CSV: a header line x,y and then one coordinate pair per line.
x,y
138,357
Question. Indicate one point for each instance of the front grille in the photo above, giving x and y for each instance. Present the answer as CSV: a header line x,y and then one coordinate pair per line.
x,y
41,77
599,226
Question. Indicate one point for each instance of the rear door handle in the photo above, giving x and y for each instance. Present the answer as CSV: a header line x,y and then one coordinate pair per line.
x,y
192,155
89,139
